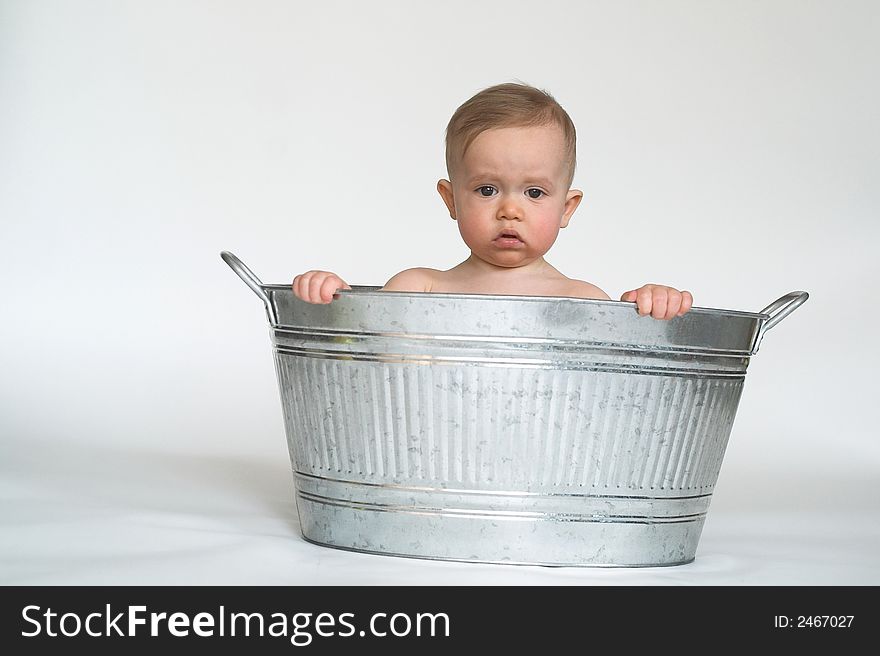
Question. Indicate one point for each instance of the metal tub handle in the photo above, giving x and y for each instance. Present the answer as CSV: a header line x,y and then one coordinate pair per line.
x,y
251,281
777,311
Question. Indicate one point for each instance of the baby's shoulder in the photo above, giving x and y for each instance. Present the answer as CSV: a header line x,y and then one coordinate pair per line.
x,y
418,279
583,289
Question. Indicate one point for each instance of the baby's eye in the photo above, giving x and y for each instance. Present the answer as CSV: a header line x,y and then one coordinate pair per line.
x,y
534,193
486,190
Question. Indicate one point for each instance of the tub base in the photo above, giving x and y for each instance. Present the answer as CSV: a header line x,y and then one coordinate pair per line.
x,y
489,562
498,527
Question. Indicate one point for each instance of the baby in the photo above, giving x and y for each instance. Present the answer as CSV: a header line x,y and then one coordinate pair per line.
x,y
510,155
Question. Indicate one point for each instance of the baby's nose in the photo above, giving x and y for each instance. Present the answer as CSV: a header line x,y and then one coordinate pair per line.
x,y
509,208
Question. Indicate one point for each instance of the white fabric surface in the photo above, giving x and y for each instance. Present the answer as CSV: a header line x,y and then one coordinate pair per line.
x,y
95,514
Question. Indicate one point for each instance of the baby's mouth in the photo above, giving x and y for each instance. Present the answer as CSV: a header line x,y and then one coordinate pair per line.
x,y
508,235
508,239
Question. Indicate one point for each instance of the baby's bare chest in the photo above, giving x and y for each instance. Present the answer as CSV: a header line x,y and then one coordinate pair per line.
x,y
512,287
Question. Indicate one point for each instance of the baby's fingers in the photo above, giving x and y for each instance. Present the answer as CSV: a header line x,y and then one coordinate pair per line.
x,y
641,297
687,301
659,302
329,287
301,285
677,303
644,300
312,282
673,303
317,286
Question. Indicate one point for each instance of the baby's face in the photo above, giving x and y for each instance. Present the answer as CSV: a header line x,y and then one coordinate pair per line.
x,y
510,195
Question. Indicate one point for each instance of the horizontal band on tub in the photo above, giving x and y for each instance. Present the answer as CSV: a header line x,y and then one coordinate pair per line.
x,y
527,363
363,335
500,514
501,493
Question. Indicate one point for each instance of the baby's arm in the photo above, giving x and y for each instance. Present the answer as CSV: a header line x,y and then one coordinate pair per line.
x,y
410,280
660,301
583,289
318,286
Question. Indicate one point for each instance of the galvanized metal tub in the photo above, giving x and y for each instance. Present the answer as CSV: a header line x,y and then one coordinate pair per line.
x,y
509,429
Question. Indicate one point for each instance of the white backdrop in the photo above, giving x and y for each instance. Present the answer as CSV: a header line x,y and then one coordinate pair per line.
x,y
730,148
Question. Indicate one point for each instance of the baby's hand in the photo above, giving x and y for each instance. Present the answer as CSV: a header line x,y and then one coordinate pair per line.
x,y
660,301
317,286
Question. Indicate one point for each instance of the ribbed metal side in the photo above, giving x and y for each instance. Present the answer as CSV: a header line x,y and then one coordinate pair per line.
x,y
505,428
503,462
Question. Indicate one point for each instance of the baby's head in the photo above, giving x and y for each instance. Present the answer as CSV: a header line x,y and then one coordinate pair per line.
x,y
508,105
510,153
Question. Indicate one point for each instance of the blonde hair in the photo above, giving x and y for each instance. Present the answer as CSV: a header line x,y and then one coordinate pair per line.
x,y
507,105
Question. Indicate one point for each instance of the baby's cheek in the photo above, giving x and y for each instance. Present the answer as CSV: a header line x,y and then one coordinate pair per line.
x,y
546,233
470,233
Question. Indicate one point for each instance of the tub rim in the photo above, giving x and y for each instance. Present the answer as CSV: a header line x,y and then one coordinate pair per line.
x,y
766,319
375,291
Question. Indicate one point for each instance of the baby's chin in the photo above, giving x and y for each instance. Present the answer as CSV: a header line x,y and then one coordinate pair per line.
x,y
508,260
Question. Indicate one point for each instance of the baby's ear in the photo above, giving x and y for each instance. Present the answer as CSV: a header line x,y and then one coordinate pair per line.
x,y
445,189
572,199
